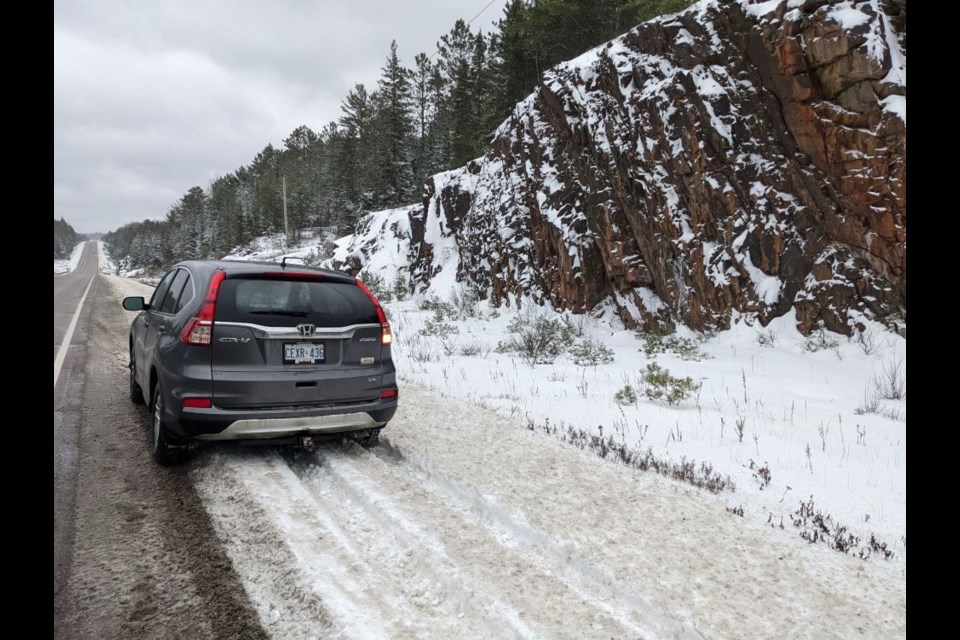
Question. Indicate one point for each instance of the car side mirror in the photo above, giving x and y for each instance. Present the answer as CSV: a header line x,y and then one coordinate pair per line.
x,y
135,303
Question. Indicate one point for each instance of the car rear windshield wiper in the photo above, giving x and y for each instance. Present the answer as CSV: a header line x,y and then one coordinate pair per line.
x,y
279,312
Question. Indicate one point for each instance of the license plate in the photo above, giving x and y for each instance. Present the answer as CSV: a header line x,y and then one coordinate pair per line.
x,y
303,352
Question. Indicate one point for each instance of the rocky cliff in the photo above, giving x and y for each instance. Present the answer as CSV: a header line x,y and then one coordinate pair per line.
x,y
740,159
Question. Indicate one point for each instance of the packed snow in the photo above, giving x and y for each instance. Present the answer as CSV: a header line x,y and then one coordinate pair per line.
x,y
464,524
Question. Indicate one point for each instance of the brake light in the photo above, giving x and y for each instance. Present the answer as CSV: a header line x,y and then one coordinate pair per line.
x,y
197,403
388,393
199,331
386,335
295,274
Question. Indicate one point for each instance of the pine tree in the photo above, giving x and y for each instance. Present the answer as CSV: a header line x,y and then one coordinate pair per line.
x,y
514,69
394,130
425,115
455,61
356,151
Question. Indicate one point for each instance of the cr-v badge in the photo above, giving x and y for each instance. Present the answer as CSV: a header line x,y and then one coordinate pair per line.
x,y
229,339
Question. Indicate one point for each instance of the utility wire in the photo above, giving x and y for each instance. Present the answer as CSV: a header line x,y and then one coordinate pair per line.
x,y
469,22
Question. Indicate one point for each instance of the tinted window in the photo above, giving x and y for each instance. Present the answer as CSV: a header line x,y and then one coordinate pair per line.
x,y
286,303
186,295
173,294
161,290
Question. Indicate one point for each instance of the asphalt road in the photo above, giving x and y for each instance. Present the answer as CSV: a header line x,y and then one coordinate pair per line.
x,y
67,392
135,553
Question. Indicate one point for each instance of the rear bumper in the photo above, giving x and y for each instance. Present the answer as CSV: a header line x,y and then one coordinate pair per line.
x,y
234,424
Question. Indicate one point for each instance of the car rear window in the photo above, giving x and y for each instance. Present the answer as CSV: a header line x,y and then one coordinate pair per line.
x,y
286,303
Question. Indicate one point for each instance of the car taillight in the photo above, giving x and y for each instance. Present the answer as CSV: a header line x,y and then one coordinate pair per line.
x,y
199,331
386,335
305,275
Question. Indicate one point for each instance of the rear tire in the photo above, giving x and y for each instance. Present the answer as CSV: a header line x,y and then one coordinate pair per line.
x,y
161,449
370,440
136,392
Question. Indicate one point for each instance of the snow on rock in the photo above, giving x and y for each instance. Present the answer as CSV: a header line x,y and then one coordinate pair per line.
x,y
739,160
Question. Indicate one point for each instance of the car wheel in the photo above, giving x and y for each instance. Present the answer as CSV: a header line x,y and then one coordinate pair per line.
x,y
160,447
370,439
136,393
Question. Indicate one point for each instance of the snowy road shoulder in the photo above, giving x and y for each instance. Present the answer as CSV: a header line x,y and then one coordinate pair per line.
x,y
70,264
464,522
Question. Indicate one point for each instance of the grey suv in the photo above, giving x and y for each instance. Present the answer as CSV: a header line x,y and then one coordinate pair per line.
x,y
229,350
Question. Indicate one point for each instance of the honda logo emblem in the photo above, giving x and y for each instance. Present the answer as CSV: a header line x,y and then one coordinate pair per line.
x,y
306,329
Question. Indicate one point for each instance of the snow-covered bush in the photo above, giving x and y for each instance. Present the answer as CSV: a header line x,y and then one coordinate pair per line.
x,y
626,395
535,337
464,299
660,385
377,286
891,382
441,310
474,348
657,342
400,287
441,330
572,329
766,337
819,340
589,352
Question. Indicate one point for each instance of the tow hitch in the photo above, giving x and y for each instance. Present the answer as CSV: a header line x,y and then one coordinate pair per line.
x,y
306,443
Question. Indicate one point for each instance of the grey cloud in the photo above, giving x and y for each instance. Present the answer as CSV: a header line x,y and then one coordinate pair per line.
x,y
151,98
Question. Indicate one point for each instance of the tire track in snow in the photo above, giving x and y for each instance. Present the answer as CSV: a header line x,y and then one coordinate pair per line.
x,y
491,555
461,532
594,582
334,555
431,578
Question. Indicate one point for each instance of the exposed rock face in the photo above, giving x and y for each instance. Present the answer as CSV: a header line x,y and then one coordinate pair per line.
x,y
738,159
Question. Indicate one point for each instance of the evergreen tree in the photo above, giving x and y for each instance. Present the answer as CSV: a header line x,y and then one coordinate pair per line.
x,y
514,69
394,129
299,164
356,152
456,53
424,114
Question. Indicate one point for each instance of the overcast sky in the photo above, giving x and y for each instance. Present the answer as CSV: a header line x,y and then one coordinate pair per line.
x,y
153,97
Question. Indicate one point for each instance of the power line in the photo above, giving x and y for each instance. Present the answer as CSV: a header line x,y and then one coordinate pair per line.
x,y
470,21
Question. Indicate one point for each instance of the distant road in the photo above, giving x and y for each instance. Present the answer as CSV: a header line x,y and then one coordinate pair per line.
x,y
67,290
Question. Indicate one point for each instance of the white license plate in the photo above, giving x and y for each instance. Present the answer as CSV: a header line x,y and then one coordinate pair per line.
x,y
302,352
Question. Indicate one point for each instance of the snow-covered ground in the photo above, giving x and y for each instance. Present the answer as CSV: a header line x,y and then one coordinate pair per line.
x,y
786,424
465,523
799,424
66,266
272,247
105,261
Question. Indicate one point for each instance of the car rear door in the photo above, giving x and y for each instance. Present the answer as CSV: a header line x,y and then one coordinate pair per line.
x,y
146,337
285,340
